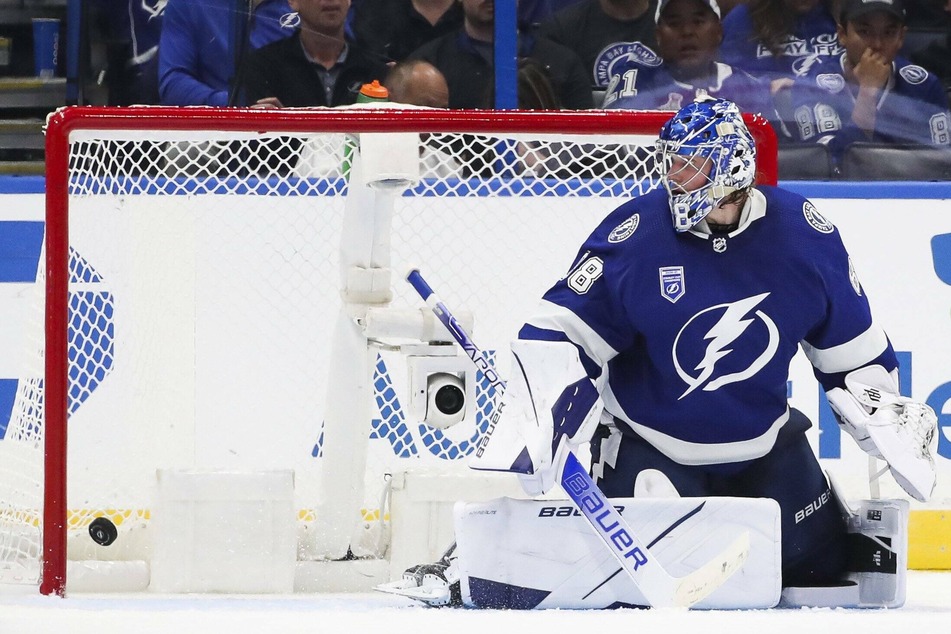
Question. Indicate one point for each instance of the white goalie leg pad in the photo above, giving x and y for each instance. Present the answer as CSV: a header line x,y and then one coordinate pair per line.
x,y
878,552
537,554
878,558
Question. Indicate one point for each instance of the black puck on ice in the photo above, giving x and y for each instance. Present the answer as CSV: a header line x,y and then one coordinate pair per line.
x,y
103,531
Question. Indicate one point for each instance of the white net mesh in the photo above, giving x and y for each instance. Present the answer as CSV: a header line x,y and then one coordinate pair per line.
x,y
205,281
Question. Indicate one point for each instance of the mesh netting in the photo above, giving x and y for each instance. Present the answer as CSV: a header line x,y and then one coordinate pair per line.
x,y
204,285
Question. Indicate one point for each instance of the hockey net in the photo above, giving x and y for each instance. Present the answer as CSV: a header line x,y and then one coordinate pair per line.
x,y
221,291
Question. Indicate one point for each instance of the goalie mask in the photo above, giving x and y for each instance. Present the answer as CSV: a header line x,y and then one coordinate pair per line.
x,y
706,142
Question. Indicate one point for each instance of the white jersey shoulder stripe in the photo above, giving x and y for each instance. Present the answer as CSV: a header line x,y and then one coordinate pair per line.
x,y
550,316
695,453
849,355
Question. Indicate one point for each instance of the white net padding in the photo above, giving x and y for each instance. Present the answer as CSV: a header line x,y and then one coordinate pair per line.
x,y
205,283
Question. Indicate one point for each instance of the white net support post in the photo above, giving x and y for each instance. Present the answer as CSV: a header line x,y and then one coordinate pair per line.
x,y
220,292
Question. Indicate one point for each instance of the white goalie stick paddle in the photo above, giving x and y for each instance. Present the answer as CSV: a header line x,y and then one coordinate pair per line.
x,y
659,587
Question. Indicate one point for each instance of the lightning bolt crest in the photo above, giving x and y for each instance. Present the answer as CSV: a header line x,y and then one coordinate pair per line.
x,y
728,328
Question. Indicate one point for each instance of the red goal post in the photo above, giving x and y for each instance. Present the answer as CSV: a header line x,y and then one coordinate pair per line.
x,y
121,145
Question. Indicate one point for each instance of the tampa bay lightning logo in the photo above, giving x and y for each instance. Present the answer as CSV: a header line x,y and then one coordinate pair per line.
x,y
153,8
801,65
621,53
815,219
913,74
736,339
624,230
831,82
290,20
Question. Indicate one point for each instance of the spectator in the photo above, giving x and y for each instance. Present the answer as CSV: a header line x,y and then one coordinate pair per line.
x,y
417,83
131,31
688,37
392,29
535,91
601,32
870,94
777,40
315,66
201,42
531,13
465,58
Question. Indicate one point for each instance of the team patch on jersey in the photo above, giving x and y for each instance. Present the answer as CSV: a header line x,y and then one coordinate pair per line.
x,y
625,230
854,278
672,285
815,219
290,20
621,52
913,74
831,82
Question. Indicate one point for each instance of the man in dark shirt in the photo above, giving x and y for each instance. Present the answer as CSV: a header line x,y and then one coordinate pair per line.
x,y
392,29
602,31
314,67
465,58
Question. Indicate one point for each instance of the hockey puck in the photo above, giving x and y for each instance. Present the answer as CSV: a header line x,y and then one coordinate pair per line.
x,y
103,531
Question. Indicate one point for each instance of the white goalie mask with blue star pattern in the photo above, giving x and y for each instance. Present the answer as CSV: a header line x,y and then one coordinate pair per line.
x,y
712,132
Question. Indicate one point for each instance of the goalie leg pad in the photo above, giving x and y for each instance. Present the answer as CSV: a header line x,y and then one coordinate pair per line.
x,y
878,561
528,554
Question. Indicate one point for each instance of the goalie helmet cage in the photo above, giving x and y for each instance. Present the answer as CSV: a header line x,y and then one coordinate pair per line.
x,y
489,211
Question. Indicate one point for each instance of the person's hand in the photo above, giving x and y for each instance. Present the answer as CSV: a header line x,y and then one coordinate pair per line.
x,y
873,70
780,84
268,103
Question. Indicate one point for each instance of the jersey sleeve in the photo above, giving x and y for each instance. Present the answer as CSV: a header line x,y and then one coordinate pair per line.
x,y
179,59
585,307
847,338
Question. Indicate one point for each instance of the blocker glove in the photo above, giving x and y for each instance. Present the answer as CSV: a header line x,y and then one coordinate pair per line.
x,y
550,407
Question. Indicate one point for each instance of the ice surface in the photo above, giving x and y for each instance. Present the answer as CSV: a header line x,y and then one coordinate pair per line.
x,y
927,610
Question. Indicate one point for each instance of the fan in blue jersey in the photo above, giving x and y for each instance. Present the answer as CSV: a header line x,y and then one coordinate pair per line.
x,y
779,39
870,93
203,45
688,37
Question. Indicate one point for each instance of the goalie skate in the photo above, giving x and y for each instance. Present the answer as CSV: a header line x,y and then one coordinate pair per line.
x,y
436,584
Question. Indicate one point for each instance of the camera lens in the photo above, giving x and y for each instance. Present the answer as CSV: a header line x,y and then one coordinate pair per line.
x,y
450,399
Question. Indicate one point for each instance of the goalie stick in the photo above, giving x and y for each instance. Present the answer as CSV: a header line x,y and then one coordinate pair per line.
x,y
659,587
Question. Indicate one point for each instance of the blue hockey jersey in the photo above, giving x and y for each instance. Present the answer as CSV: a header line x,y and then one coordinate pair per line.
x,y
648,85
690,335
813,40
199,44
913,108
